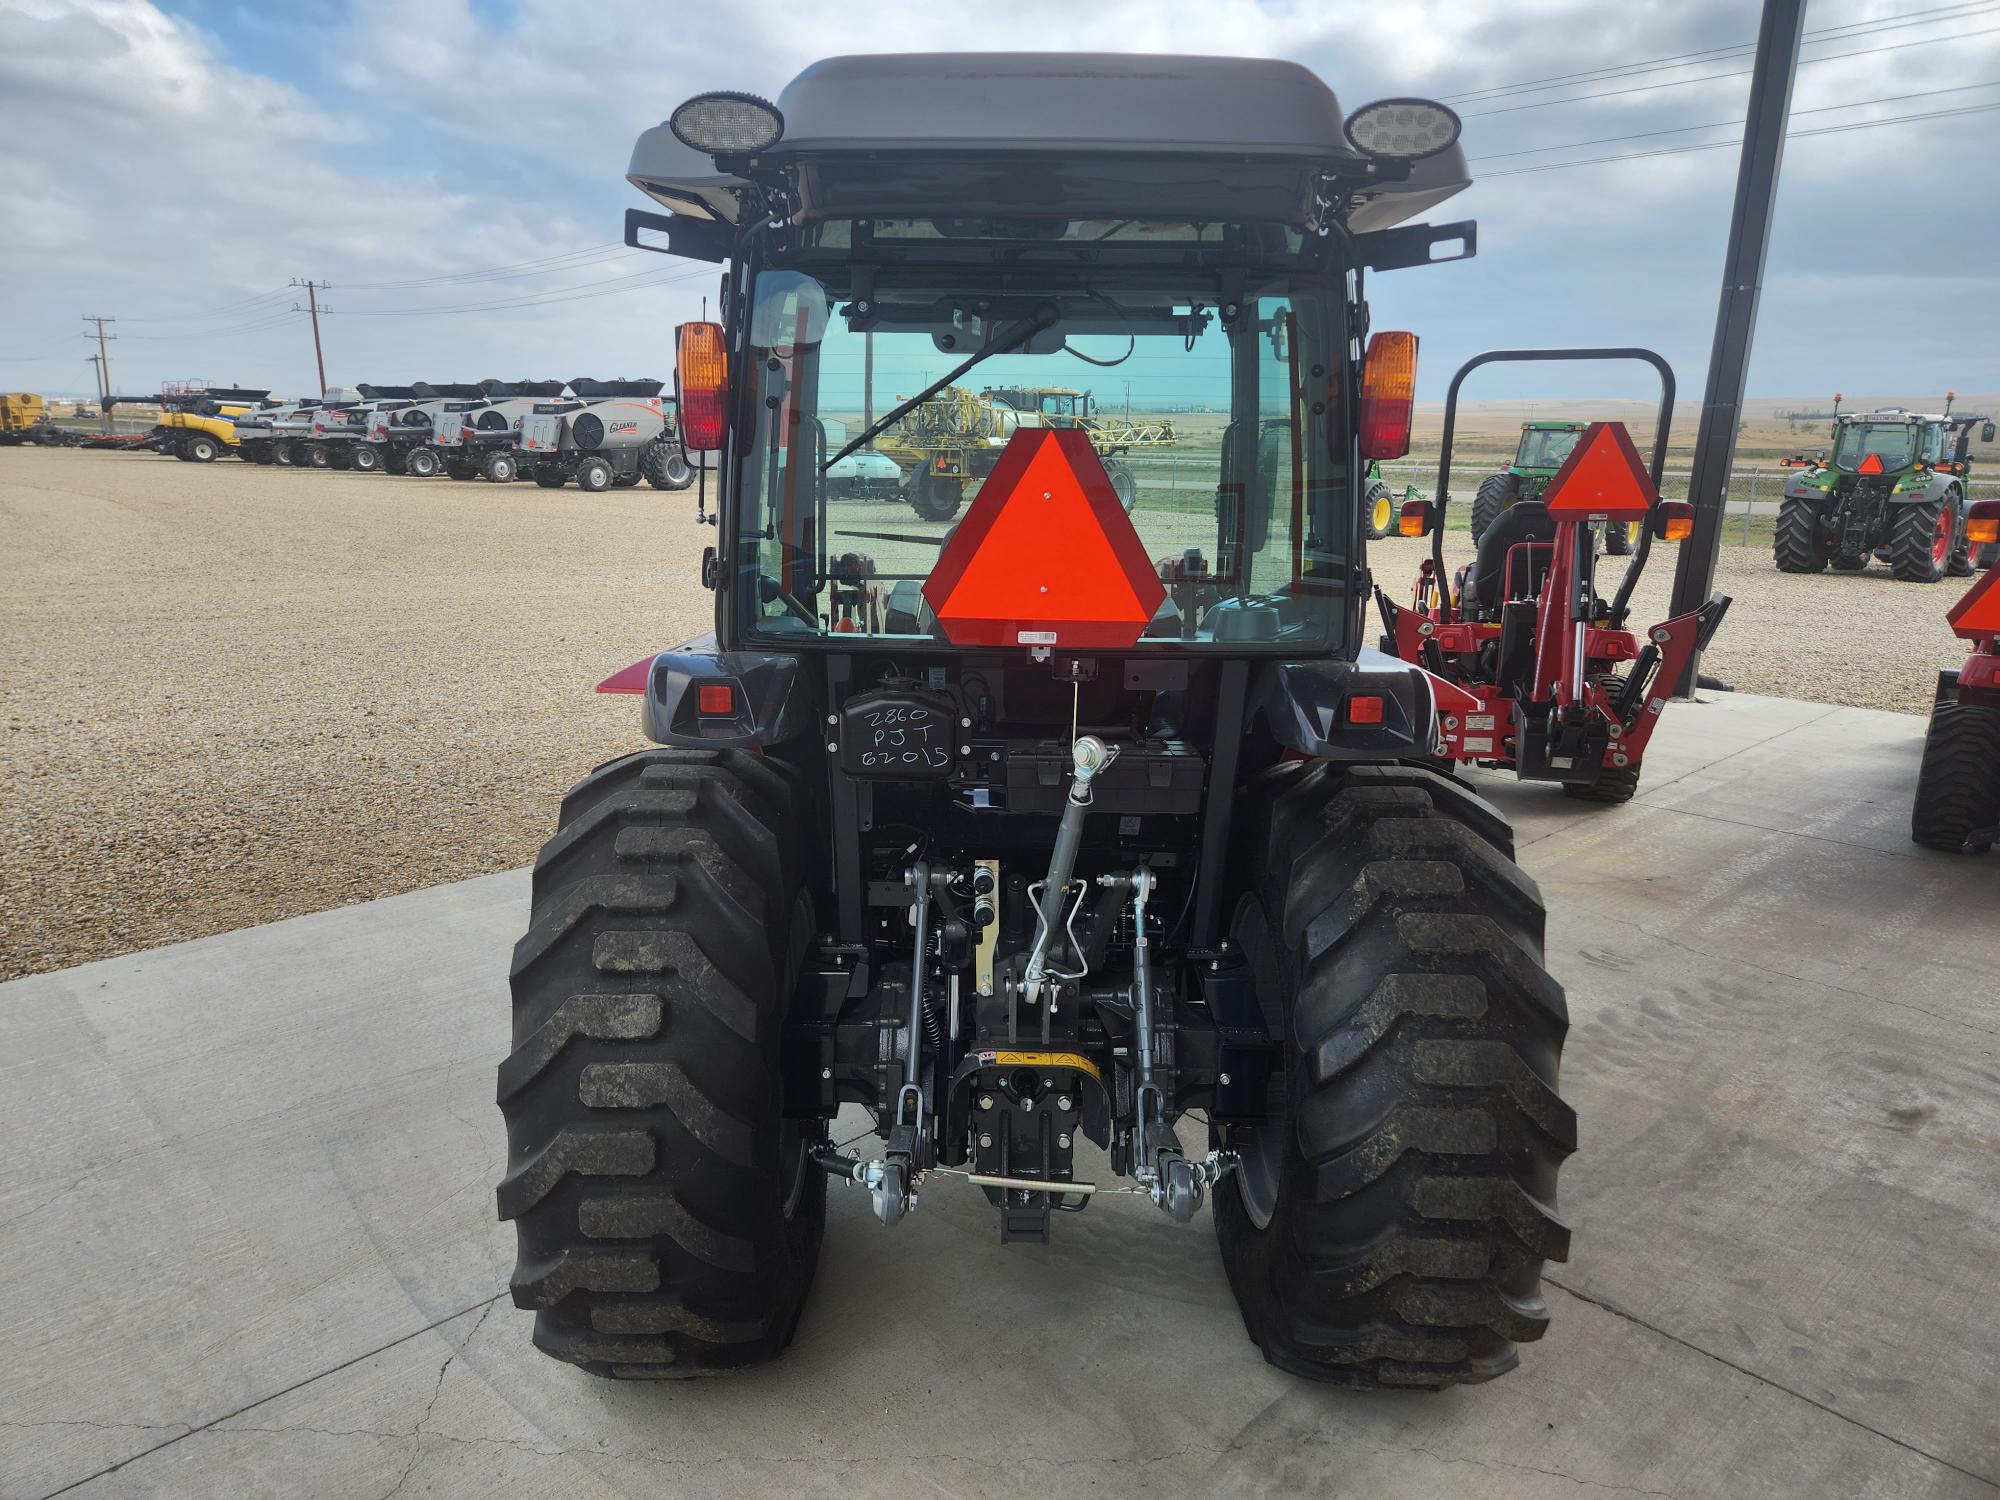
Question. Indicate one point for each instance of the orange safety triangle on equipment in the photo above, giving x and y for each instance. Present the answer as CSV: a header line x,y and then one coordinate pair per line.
x,y
1872,464
1977,615
1046,556
1602,477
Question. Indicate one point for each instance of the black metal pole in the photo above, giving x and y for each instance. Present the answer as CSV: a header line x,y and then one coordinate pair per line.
x,y
1736,317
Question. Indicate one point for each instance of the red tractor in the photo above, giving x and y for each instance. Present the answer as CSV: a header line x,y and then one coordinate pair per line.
x,y
1958,790
1545,678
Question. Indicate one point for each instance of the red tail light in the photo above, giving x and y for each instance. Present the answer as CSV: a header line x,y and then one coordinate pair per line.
x,y
701,381
1388,395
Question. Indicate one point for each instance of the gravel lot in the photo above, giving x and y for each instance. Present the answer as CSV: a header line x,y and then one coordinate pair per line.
x,y
237,694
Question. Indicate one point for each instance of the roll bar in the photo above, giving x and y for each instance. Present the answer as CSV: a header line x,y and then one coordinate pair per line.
x,y
1662,425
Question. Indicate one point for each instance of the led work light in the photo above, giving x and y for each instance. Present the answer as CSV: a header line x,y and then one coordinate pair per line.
x,y
1408,129
725,122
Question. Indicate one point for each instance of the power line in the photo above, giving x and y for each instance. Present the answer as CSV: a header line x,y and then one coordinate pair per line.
x,y
1790,135
1606,140
588,255
576,293
1958,36
1609,71
225,310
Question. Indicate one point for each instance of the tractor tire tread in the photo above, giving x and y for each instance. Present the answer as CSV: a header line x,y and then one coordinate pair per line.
x,y
1958,781
642,1093
1912,532
1495,493
1419,1188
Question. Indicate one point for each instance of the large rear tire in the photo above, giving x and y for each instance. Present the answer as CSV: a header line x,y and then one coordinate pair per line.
x,y
1921,534
934,499
422,462
203,449
668,1215
500,466
364,458
1796,546
1621,538
1958,785
1496,492
1388,1227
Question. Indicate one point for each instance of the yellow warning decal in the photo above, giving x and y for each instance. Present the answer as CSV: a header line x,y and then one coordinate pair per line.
x,y
1041,1060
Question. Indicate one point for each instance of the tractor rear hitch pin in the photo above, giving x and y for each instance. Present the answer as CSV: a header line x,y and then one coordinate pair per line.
x,y
890,1189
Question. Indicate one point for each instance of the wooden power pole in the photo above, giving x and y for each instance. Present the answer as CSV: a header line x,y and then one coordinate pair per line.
x,y
312,288
103,367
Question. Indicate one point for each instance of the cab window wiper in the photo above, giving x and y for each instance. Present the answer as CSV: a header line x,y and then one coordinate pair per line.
x,y
1003,342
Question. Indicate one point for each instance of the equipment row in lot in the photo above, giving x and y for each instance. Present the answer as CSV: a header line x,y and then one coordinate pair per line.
x,y
599,434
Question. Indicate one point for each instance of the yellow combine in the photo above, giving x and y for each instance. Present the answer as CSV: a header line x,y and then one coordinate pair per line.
x,y
200,426
957,436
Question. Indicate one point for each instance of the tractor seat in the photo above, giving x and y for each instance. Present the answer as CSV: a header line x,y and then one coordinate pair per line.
x,y
1523,521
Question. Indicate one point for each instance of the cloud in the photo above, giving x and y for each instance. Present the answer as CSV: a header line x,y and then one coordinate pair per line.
x,y
172,172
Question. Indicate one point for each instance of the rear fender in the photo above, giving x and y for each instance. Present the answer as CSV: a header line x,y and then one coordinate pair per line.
x,y
1306,706
765,706
1940,485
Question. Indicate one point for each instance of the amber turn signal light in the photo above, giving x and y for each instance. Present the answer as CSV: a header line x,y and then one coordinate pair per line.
x,y
701,383
1388,395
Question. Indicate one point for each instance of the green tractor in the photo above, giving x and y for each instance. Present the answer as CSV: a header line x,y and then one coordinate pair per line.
x,y
1382,505
1895,486
1544,446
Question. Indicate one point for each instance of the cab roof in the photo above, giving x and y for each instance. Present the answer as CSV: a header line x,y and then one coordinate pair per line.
x,y
1213,137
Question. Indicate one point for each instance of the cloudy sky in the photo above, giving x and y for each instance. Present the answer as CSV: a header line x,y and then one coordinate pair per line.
x,y
454,169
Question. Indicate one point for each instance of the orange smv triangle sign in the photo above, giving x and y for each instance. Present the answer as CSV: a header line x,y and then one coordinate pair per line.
x,y
1978,613
1046,556
1602,477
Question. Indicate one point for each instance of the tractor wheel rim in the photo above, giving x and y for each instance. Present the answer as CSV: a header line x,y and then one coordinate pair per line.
x,y
1382,513
1941,540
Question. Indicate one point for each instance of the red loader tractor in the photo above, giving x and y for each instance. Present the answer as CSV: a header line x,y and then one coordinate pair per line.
x,y
1958,789
1553,684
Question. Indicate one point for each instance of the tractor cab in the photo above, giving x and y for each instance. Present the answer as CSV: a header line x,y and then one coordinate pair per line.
x,y
1544,446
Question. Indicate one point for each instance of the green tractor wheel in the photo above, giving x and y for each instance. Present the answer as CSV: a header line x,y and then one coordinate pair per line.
x,y
1381,511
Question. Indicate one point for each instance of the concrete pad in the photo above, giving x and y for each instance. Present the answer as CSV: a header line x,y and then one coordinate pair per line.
x,y
250,1247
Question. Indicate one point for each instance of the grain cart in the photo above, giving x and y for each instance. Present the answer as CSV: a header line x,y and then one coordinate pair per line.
x,y
1893,486
403,430
997,835
1543,447
956,435
1547,680
24,418
608,433
200,426
340,429
1958,786
481,437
